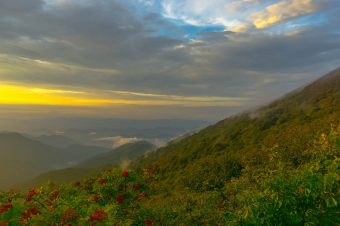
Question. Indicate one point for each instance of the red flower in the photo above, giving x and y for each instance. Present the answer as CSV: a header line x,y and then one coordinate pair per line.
x,y
101,181
120,199
95,198
98,215
50,203
142,194
136,186
148,222
30,195
31,211
125,174
5,208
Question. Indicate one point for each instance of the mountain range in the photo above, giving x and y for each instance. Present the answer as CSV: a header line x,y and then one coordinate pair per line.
x,y
23,157
276,165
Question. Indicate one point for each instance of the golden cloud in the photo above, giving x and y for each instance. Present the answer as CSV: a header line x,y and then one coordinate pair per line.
x,y
282,11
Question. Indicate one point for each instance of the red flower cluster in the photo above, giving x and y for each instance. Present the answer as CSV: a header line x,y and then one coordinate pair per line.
x,y
50,203
148,222
95,198
30,195
136,186
31,211
4,223
120,199
125,174
101,181
98,215
5,208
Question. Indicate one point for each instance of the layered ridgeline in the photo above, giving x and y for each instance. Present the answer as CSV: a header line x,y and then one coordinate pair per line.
x,y
120,156
22,158
278,165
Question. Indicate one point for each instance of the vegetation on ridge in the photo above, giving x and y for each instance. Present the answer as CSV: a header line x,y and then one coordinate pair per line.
x,y
276,166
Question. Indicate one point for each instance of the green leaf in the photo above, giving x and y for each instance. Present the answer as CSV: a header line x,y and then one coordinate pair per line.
x,y
331,202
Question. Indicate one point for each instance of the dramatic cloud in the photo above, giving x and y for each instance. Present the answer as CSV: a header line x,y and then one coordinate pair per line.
x,y
282,11
217,55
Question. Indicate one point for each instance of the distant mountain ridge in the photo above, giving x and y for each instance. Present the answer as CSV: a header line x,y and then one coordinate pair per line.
x,y
116,156
56,140
91,166
22,158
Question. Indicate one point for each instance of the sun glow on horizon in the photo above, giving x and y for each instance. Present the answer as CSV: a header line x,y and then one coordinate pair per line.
x,y
13,94
21,95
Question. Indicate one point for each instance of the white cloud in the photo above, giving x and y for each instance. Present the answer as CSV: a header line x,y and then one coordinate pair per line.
x,y
119,140
200,12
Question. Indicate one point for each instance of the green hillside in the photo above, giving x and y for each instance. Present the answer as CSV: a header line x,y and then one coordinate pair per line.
x,y
58,176
209,158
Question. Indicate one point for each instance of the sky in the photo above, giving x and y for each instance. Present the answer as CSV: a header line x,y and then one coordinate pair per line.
x,y
196,59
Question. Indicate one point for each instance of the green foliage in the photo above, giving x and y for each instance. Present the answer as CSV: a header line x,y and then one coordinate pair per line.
x,y
275,193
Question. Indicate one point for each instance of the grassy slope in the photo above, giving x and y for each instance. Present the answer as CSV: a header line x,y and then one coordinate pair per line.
x,y
206,159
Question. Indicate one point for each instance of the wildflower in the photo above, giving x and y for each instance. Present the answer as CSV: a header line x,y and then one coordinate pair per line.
x,y
30,195
136,186
98,215
50,203
95,198
101,181
148,222
120,199
5,208
125,174
142,194
31,211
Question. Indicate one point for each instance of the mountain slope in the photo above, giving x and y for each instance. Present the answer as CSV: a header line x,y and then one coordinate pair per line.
x,y
22,158
114,157
81,152
92,165
57,141
207,159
